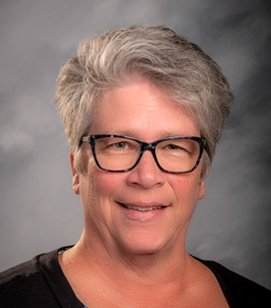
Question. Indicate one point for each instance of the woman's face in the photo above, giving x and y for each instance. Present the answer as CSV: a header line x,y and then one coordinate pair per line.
x,y
142,111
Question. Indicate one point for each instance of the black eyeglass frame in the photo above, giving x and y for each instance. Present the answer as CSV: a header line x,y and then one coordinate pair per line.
x,y
144,146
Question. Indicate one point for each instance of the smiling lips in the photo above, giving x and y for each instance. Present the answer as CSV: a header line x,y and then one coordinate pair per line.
x,y
143,208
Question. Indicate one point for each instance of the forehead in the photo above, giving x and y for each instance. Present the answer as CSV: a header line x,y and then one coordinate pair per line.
x,y
140,108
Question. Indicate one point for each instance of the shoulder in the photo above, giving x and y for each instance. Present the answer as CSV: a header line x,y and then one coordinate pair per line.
x,y
239,290
24,286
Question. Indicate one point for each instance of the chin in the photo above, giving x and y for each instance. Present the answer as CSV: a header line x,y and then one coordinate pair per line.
x,y
145,244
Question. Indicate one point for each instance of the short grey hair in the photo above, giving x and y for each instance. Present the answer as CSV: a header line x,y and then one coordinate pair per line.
x,y
177,66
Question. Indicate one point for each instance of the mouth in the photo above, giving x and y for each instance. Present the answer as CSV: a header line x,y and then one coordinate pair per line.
x,y
142,208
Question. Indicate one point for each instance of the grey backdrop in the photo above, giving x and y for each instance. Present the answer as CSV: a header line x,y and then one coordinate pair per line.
x,y
38,210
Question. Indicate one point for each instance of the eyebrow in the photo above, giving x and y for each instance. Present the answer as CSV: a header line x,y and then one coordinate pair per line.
x,y
137,134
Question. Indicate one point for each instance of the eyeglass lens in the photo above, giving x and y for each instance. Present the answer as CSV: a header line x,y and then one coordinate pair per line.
x,y
173,155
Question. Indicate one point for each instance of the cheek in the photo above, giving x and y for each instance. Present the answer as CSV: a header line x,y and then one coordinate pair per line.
x,y
187,187
95,191
100,198
105,183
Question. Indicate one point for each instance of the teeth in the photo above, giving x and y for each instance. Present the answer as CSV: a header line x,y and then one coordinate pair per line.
x,y
143,209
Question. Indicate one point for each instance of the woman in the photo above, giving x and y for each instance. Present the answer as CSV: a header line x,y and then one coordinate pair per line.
x,y
143,110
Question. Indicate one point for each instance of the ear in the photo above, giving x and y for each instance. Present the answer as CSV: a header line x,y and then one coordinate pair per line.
x,y
75,176
201,189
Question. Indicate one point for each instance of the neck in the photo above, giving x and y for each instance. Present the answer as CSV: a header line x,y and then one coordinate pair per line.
x,y
92,266
103,278
168,265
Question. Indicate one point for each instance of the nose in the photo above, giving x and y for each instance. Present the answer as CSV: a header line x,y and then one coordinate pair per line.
x,y
146,174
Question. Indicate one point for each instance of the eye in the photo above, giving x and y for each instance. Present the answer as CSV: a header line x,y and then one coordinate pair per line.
x,y
178,147
120,145
173,147
116,145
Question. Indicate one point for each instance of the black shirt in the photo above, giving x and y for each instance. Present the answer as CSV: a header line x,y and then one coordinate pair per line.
x,y
41,283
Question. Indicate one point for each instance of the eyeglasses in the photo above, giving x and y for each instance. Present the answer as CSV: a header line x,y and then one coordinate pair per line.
x,y
117,153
